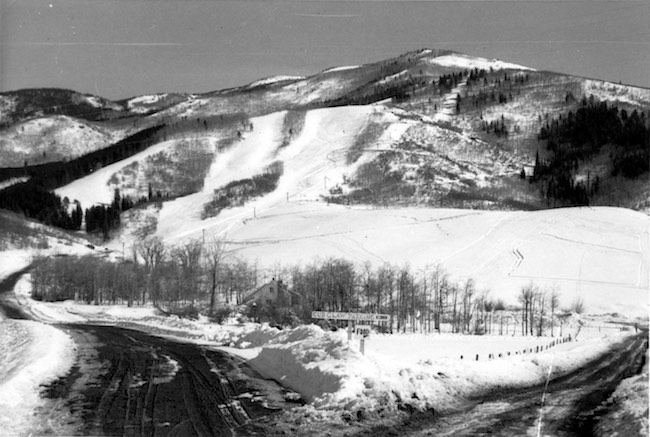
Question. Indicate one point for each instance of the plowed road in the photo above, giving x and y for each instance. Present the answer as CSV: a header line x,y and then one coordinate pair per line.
x,y
133,384
129,383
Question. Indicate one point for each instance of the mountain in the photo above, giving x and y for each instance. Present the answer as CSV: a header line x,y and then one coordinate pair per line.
x,y
429,127
430,157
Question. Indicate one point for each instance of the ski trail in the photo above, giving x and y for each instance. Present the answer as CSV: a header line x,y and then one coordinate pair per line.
x,y
448,108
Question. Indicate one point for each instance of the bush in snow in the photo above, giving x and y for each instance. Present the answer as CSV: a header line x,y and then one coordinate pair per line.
x,y
220,315
190,311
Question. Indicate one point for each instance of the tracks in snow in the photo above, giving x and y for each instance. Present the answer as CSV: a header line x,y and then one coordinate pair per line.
x,y
150,386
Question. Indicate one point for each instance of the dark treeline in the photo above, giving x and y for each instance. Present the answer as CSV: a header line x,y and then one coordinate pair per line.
x,y
180,127
490,88
237,193
197,277
577,137
27,170
33,197
36,202
66,172
371,94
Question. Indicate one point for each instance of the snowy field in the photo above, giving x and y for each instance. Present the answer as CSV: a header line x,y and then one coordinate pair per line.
x,y
591,253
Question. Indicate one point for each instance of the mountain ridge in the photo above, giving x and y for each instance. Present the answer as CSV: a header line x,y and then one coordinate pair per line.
x,y
442,106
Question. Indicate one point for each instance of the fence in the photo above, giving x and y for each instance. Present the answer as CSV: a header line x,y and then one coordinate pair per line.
x,y
531,350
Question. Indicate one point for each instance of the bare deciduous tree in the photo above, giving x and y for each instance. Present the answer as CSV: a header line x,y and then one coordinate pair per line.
x,y
188,257
554,301
214,254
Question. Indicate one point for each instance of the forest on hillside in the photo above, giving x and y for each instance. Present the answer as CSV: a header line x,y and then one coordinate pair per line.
x,y
576,138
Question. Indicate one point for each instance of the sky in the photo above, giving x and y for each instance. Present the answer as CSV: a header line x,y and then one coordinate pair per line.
x,y
124,48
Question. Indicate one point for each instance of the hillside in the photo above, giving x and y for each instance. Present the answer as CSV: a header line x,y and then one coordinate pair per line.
x,y
54,138
289,168
24,104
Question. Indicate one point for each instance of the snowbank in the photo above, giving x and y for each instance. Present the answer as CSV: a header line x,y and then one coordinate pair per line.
x,y
331,373
31,354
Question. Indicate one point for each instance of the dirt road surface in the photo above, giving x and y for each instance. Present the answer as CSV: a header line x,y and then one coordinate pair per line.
x,y
129,383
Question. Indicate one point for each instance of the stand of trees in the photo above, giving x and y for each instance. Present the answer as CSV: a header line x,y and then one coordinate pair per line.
x,y
34,198
577,137
237,193
202,277
36,202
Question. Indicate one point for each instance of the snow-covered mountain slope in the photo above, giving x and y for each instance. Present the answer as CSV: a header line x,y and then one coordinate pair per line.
x,y
592,253
99,186
274,80
427,129
458,60
53,138
24,104
317,152
586,252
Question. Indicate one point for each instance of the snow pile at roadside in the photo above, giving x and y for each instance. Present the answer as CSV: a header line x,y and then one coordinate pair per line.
x,y
319,365
332,374
31,354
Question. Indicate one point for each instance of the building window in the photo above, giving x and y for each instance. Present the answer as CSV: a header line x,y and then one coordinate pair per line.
x,y
271,289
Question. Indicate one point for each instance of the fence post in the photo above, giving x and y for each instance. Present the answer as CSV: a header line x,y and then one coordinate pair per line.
x,y
349,330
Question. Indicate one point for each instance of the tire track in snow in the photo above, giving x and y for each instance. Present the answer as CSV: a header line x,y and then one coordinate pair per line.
x,y
588,244
478,240
519,259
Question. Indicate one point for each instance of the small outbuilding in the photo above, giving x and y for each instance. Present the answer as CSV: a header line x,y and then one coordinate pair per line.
x,y
272,293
